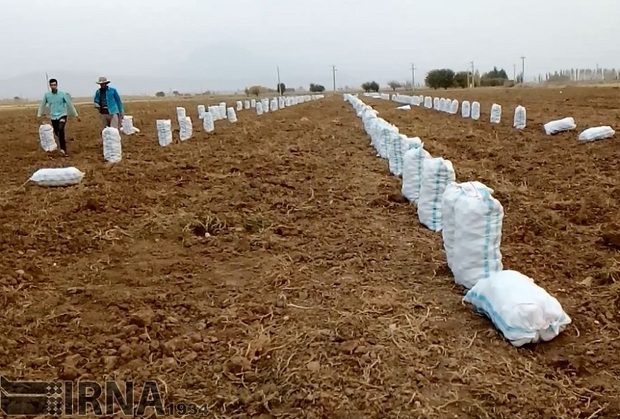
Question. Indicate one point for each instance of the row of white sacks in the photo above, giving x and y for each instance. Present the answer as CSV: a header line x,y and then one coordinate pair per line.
x,y
470,221
472,110
209,115
112,142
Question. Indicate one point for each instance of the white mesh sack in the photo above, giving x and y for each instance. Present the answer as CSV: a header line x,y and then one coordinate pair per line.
x,y
386,130
395,153
428,102
252,103
450,194
64,176
232,116
408,143
259,108
465,109
246,104
442,104
560,125
520,119
521,310
477,220
274,105
475,111
181,113
436,103
454,107
164,132
437,173
413,161
112,149
201,111
596,133
239,105
496,113
207,122
46,138
127,126
186,129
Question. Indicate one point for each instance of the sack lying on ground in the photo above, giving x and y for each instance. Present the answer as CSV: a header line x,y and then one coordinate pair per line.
x,y
64,176
521,310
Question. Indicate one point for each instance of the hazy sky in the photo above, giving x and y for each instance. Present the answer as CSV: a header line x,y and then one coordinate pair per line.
x,y
233,43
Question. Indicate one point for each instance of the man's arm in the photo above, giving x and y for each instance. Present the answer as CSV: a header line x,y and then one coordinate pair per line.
x,y
42,107
119,102
96,99
72,109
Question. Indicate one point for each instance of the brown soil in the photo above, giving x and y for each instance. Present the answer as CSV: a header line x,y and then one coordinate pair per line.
x,y
271,270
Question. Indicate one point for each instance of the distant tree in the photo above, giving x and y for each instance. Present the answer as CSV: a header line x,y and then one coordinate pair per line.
x,y
374,86
281,88
176,93
366,86
461,78
17,98
255,90
160,94
394,84
440,78
247,91
494,77
317,88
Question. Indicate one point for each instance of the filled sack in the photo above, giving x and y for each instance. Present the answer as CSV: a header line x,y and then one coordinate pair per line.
x,y
46,138
64,176
521,310
437,173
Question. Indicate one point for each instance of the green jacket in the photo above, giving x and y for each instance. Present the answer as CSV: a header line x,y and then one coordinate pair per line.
x,y
59,105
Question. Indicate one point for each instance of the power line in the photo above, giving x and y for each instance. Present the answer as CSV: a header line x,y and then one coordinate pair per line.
x,y
334,76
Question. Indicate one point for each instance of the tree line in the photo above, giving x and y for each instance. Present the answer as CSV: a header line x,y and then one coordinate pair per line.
x,y
446,78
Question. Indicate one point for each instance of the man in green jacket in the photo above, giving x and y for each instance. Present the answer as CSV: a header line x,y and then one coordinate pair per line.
x,y
61,107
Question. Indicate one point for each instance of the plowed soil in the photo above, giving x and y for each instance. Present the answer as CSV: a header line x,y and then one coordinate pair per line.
x,y
271,269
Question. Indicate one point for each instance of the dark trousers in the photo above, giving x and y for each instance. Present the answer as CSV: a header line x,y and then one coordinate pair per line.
x,y
59,131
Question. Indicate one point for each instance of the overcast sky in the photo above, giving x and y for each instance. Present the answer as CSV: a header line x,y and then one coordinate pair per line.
x,y
227,44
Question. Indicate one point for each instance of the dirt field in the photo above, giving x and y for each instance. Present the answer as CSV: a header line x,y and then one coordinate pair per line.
x,y
316,293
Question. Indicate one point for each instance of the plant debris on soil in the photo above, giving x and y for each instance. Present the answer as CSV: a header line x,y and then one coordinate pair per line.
x,y
272,270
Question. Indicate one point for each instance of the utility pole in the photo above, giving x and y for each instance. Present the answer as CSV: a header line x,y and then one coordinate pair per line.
x,y
473,77
522,70
279,90
413,76
334,76
514,73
